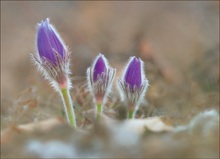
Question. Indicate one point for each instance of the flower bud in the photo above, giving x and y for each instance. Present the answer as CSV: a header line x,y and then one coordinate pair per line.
x,y
52,57
133,84
99,69
133,76
100,78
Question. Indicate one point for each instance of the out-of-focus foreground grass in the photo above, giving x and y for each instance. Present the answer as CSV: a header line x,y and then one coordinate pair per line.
x,y
178,41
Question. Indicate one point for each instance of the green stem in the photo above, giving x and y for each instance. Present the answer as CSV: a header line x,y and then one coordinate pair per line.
x,y
68,107
98,111
130,114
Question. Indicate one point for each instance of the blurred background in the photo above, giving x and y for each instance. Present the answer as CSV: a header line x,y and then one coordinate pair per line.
x,y
178,41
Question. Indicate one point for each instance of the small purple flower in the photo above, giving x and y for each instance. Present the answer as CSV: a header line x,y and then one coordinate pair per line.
x,y
133,76
52,57
99,68
100,78
133,84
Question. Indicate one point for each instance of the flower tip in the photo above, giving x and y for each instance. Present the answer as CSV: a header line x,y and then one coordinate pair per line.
x,y
100,59
47,19
44,23
100,54
136,59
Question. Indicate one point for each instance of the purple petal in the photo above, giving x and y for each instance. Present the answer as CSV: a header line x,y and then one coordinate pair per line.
x,y
133,73
54,39
99,68
48,41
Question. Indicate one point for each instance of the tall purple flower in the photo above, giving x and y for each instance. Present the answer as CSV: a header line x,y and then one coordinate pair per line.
x,y
52,57
133,85
100,78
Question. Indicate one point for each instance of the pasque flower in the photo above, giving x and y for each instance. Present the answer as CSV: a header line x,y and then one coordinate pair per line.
x,y
100,78
133,85
52,59
52,55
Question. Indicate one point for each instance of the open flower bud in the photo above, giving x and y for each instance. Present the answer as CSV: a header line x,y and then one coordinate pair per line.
x,y
100,77
52,57
133,84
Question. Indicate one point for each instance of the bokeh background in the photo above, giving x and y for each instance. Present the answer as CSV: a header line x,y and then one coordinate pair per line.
x,y
178,41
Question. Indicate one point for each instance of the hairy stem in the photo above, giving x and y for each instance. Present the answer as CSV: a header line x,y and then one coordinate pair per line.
x,y
98,111
68,107
130,114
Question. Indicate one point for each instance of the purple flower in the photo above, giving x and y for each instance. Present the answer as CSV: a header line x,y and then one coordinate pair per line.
x,y
133,84
99,68
48,42
100,78
52,57
133,76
